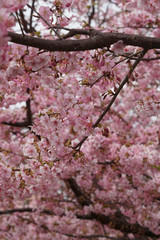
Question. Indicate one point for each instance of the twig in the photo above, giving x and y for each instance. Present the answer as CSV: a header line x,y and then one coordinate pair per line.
x,y
91,15
45,21
31,14
97,80
19,23
120,88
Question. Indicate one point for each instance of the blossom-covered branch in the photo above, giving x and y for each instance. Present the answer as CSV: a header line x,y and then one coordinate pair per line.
x,y
114,96
118,222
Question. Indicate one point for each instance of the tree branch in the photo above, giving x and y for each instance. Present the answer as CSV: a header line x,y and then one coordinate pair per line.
x,y
23,210
98,40
28,122
81,197
17,124
91,14
118,222
28,107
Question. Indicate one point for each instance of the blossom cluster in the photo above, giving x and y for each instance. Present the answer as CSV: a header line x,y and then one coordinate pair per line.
x,y
68,166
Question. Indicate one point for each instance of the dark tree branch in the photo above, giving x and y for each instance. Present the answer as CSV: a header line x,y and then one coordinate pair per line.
x,y
20,24
29,113
17,124
23,21
69,234
23,210
81,197
98,40
118,222
91,14
28,122
73,32
31,16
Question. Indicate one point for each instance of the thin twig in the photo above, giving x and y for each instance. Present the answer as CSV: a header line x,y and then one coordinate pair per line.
x,y
31,14
24,210
120,88
19,23
91,15
39,15
97,80
142,59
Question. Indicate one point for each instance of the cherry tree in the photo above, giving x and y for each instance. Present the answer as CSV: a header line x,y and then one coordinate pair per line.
x,y
79,119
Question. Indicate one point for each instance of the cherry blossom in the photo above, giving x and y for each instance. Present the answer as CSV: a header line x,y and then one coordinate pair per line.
x,y
79,119
118,47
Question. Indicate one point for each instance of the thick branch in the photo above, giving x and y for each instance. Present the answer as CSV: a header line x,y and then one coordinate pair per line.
x,y
81,197
118,222
98,40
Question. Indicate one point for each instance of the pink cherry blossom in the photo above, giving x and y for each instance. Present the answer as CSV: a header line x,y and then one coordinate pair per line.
x,y
118,47
30,151
79,119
